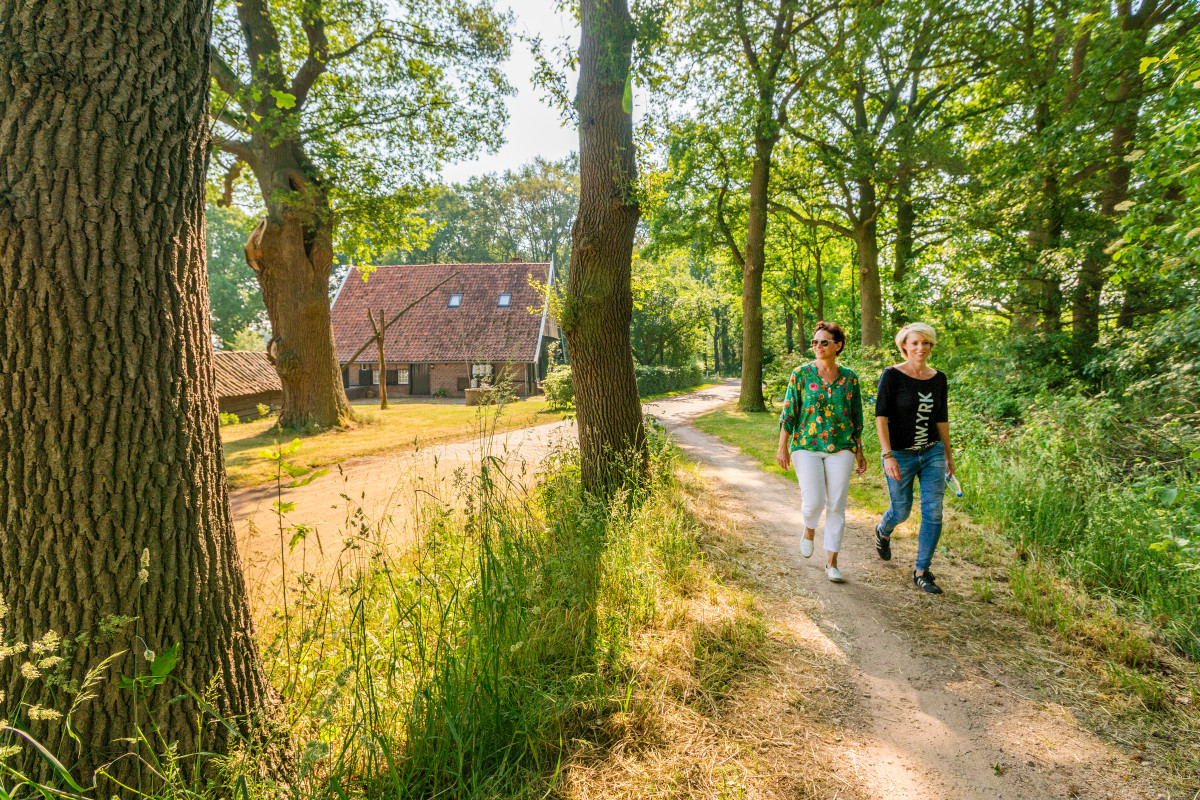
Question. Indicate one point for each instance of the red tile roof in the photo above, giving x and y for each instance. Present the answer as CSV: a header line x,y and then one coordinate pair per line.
x,y
241,372
431,332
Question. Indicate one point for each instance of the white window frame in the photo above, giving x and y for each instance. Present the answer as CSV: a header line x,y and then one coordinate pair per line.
x,y
455,300
505,300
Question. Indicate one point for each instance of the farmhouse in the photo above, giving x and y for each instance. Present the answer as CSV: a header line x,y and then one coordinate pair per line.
x,y
484,324
246,380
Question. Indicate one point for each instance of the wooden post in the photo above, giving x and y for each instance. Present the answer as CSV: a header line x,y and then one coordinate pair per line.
x,y
379,329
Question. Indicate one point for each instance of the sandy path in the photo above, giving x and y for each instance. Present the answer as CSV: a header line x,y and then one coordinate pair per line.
x,y
384,490
928,728
375,492
918,725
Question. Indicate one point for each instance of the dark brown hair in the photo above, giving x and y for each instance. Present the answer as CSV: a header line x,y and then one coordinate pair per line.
x,y
835,331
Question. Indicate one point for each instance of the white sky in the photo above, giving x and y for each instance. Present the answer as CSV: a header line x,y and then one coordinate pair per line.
x,y
534,127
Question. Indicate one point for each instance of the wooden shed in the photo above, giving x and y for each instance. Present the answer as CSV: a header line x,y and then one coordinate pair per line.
x,y
246,379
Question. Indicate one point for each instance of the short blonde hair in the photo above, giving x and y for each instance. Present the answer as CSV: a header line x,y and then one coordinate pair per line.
x,y
921,329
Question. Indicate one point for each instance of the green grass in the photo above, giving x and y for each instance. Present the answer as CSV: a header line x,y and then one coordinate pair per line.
x,y
475,663
677,392
405,425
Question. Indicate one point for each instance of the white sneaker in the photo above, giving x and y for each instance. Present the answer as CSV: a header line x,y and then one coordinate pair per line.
x,y
834,575
806,547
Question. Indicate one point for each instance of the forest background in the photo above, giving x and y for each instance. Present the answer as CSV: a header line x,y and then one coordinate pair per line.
x,y
1025,180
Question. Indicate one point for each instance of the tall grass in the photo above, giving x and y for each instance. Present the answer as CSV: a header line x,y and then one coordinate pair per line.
x,y
1072,482
464,664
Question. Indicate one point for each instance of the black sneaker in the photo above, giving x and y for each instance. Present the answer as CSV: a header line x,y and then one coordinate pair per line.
x,y
925,583
883,545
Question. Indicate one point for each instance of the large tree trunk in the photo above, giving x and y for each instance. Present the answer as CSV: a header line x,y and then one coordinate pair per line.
x,y
866,238
788,323
109,449
751,396
906,218
599,301
291,252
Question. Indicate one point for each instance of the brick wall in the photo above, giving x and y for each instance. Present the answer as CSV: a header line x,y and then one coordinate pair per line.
x,y
445,376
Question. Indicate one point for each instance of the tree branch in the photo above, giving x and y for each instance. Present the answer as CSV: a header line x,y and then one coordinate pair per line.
x,y
262,43
226,78
235,147
815,223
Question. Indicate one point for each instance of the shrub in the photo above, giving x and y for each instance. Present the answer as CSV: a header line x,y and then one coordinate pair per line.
x,y
441,393
658,380
228,419
263,410
560,391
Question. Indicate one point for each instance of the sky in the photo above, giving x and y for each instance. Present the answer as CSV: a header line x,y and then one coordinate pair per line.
x,y
534,127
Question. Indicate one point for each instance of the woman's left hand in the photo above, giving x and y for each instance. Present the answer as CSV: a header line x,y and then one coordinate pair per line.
x,y
861,460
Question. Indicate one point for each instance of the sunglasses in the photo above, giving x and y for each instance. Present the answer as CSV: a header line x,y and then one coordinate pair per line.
x,y
822,342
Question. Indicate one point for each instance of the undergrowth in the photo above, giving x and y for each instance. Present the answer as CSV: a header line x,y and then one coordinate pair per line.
x,y
473,661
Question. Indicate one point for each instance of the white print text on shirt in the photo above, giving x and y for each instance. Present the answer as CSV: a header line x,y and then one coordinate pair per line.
x,y
924,412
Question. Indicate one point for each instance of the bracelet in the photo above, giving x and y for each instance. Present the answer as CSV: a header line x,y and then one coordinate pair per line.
x,y
888,454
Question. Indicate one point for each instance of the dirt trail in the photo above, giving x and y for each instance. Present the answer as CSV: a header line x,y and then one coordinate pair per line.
x,y
914,723
926,727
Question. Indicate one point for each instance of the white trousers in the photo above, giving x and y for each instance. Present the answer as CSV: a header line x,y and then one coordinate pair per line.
x,y
824,483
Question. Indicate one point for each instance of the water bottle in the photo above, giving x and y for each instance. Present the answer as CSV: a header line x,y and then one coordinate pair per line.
x,y
953,485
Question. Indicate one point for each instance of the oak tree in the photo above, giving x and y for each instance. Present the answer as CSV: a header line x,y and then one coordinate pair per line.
x,y
117,550
338,109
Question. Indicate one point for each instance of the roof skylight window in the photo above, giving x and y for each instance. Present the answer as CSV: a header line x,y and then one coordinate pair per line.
x,y
505,300
455,301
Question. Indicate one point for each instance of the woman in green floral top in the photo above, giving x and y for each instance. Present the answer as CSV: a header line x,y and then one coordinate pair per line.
x,y
820,435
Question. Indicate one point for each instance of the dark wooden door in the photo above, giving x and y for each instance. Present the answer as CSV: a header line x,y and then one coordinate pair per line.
x,y
419,378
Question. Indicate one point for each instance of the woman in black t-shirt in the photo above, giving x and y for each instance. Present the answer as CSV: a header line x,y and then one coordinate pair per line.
x,y
914,439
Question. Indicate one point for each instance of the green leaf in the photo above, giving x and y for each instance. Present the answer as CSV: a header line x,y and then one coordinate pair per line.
x,y
1147,64
292,447
1168,495
627,97
1196,453
44,753
283,506
165,661
283,99
299,535
294,470
308,480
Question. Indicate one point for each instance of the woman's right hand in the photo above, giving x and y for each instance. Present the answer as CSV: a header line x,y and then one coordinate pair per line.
x,y
891,468
783,457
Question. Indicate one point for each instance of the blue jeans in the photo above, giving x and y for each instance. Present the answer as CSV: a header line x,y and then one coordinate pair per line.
x,y
929,467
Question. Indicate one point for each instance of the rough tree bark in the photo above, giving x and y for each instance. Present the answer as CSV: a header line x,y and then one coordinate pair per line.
x,y
599,300
109,449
